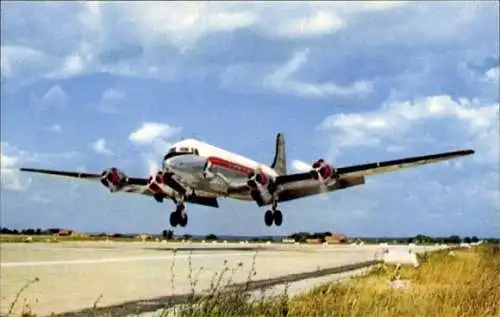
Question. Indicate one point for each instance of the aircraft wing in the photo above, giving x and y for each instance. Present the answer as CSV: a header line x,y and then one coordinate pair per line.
x,y
304,188
300,185
133,185
394,165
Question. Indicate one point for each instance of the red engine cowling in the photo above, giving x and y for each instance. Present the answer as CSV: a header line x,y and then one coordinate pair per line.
x,y
157,181
257,179
323,171
261,186
113,179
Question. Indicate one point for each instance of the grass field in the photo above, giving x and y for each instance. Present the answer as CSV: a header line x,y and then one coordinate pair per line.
x,y
463,282
11,238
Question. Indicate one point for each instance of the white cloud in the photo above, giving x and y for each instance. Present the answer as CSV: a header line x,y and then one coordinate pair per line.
x,y
395,148
156,136
492,75
55,128
55,97
301,166
8,171
101,26
112,100
12,159
476,124
14,58
281,80
320,22
99,146
80,60
375,5
149,132
178,23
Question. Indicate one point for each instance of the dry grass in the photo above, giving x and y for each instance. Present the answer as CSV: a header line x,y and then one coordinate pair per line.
x,y
464,283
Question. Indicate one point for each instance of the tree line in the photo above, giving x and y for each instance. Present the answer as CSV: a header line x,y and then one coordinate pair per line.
x,y
298,237
30,231
453,239
169,235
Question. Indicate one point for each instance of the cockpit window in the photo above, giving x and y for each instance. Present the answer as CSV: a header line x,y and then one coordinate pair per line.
x,y
180,151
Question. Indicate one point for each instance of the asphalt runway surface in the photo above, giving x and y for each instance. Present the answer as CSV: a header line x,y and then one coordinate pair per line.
x,y
74,275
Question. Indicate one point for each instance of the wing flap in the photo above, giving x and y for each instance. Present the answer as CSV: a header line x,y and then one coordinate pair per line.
x,y
291,192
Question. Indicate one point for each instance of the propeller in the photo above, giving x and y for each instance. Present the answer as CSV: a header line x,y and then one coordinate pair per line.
x,y
153,167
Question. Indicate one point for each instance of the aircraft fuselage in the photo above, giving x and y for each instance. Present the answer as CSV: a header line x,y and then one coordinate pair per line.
x,y
213,169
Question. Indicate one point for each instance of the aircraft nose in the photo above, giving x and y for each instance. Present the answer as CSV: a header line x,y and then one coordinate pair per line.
x,y
184,164
176,164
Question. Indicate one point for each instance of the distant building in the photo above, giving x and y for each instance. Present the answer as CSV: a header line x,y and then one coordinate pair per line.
x,y
64,233
143,236
336,239
107,234
313,241
288,241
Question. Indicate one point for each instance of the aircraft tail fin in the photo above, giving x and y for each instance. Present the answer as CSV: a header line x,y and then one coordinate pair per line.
x,y
279,162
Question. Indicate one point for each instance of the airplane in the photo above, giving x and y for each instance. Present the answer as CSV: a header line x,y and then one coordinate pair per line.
x,y
196,172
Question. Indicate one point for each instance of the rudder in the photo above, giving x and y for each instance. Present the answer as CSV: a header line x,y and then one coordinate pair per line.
x,y
279,162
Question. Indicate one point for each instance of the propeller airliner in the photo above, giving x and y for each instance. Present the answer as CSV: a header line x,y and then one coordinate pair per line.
x,y
196,172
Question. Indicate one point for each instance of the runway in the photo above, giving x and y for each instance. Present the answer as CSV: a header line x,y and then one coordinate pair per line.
x,y
73,275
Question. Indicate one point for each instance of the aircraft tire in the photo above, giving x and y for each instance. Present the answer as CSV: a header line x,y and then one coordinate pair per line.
x,y
182,219
174,219
268,218
278,217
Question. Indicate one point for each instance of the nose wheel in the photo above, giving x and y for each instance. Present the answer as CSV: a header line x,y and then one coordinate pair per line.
x,y
179,216
273,216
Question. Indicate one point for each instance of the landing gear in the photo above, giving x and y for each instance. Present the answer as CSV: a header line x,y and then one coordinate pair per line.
x,y
273,215
278,217
268,218
159,197
179,216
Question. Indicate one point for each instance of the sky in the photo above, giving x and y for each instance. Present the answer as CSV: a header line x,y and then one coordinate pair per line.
x,y
87,86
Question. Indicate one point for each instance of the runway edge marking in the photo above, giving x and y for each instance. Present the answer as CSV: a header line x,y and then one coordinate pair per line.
x,y
112,260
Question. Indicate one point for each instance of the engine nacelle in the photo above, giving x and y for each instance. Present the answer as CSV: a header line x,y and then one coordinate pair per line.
x,y
157,185
261,186
258,179
156,182
323,171
113,179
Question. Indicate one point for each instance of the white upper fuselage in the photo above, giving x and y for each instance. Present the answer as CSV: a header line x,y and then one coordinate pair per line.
x,y
206,150
226,170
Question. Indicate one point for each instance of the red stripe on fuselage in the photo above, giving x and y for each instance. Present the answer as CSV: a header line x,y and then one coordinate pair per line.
x,y
230,165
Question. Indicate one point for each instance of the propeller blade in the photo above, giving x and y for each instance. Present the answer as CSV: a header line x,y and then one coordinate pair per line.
x,y
153,167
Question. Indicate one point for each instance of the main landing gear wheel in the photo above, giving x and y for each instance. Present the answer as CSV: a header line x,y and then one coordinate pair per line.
x,y
273,216
179,217
173,219
268,218
278,217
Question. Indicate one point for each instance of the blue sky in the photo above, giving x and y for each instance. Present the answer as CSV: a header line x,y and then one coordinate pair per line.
x,y
87,86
